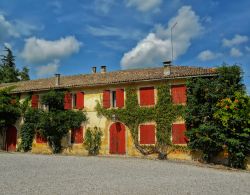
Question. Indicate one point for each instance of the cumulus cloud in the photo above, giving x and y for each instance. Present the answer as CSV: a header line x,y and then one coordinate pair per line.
x,y
234,52
49,69
144,5
15,28
156,47
236,40
41,50
207,55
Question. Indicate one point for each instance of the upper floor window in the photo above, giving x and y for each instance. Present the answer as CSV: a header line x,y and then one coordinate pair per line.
x,y
178,93
113,98
147,96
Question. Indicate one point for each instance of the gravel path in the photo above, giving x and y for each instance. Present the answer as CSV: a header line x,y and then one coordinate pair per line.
x,y
41,174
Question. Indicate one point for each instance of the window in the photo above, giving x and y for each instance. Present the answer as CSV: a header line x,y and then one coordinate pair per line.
x,y
178,93
74,97
147,97
147,134
178,134
68,101
113,99
77,135
40,139
34,101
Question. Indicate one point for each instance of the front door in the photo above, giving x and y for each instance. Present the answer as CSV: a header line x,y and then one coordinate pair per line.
x,y
117,138
11,138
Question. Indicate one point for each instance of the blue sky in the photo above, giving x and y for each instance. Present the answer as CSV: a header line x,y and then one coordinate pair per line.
x,y
69,37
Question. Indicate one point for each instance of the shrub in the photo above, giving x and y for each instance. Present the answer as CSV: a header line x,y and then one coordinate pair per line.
x,y
93,140
233,115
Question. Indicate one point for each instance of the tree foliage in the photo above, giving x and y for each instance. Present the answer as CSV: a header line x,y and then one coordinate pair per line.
x,y
9,72
233,115
9,109
52,124
205,133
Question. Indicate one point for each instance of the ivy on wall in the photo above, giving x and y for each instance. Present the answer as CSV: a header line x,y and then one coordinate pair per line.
x,y
164,113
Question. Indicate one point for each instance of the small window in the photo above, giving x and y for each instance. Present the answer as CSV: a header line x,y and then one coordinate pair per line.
x,y
113,99
77,136
147,134
178,93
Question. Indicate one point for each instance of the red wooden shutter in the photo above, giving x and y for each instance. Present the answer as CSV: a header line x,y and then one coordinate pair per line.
x,y
147,134
67,101
119,98
40,139
77,135
80,100
178,134
147,97
34,101
179,95
106,98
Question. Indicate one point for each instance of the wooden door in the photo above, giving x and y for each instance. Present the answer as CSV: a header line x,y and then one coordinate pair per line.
x,y
117,139
11,139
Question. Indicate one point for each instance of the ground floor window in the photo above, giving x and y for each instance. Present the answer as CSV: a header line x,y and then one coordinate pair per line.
x,y
178,134
147,134
77,136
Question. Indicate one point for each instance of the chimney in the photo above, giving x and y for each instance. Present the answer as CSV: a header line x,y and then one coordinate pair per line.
x,y
167,68
94,69
103,69
57,79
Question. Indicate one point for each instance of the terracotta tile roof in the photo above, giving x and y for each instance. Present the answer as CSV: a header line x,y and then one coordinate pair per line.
x,y
97,79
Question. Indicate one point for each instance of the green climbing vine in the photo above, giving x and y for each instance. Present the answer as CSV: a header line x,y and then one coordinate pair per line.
x,y
164,113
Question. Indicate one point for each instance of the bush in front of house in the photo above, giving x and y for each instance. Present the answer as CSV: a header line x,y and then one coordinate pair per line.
x,y
92,140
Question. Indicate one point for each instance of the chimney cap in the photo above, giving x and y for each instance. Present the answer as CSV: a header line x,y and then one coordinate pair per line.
x,y
57,82
57,74
167,63
103,69
93,69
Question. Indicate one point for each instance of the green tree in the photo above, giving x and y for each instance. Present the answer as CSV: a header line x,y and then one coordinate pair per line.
x,y
56,123
8,71
234,117
203,131
9,110
93,140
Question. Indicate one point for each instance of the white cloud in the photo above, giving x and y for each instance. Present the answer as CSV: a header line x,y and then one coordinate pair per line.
x,y
156,47
208,55
234,52
144,5
15,28
236,40
41,50
48,69
103,6
247,48
108,31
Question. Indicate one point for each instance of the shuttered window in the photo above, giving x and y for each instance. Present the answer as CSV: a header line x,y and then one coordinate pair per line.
x,y
119,98
178,134
106,98
79,100
34,101
147,134
147,97
178,93
40,139
67,101
77,135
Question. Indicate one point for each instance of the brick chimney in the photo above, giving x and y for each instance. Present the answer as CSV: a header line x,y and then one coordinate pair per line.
x,y
94,69
167,68
57,81
103,69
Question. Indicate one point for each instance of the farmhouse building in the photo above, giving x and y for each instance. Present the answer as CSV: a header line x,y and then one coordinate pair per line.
x,y
84,91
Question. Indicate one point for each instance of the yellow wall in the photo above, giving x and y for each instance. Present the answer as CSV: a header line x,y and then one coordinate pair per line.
x,y
91,96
